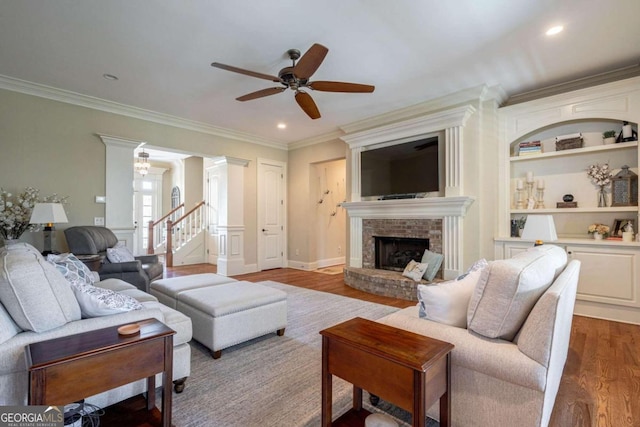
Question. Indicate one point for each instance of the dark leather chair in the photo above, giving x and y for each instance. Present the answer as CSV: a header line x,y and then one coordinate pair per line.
x,y
93,240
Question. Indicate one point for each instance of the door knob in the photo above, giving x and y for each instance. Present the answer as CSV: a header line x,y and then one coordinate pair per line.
x,y
264,229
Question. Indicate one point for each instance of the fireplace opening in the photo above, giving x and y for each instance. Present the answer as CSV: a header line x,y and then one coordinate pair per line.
x,y
394,253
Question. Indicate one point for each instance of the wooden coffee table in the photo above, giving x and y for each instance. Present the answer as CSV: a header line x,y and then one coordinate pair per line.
x,y
409,370
67,369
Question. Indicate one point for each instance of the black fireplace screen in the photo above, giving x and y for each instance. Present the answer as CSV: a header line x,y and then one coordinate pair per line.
x,y
394,253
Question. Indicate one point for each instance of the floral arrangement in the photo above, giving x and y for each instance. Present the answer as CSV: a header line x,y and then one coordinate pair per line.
x,y
15,211
600,229
600,174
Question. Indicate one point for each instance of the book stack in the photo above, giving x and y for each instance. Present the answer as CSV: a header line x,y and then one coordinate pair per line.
x,y
529,148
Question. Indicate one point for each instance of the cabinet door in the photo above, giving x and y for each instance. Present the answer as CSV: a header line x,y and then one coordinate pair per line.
x,y
607,275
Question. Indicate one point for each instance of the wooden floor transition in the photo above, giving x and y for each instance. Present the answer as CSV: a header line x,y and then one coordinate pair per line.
x,y
600,385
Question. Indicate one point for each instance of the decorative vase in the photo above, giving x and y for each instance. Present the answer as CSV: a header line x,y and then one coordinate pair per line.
x,y
602,198
610,140
9,242
597,236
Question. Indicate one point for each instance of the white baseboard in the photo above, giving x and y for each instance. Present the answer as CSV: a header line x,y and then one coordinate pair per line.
x,y
301,265
329,262
310,266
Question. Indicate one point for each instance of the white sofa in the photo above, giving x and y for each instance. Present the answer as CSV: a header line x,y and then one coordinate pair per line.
x,y
507,380
42,299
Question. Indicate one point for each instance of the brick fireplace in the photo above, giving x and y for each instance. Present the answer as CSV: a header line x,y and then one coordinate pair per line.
x,y
438,217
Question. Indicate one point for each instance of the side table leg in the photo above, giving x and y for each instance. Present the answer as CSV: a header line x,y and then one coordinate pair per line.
x,y
151,392
445,399
357,398
419,398
327,386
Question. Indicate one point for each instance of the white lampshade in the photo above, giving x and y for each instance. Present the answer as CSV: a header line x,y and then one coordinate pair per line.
x,y
540,227
48,213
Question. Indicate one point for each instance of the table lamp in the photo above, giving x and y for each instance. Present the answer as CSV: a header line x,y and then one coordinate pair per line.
x,y
539,228
48,213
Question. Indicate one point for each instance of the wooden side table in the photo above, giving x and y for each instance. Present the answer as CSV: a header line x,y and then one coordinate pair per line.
x,y
67,369
92,262
410,370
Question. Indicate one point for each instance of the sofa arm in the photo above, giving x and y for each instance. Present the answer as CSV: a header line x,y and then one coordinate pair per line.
x,y
147,259
120,267
492,357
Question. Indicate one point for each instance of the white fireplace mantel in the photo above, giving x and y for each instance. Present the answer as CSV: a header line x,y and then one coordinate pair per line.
x,y
434,207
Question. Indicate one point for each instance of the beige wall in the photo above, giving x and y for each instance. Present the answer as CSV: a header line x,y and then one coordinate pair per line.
x,y
53,146
302,202
193,180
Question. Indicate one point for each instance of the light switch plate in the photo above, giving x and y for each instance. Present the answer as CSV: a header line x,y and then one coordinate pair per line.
x,y
98,220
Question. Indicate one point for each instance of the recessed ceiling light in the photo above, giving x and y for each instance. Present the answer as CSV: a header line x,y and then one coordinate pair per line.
x,y
282,126
110,77
554,30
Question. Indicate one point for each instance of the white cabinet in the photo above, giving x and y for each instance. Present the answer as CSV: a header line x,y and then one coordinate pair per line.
x,y
609,285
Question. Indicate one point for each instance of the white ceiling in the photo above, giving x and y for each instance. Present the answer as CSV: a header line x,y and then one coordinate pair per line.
x,y
411,50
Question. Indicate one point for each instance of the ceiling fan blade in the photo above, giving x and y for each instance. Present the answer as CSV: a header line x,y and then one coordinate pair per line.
x,y
341,87
261,93
305,102
245,72
310,61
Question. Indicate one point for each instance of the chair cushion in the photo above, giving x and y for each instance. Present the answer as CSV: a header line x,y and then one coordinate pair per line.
x,y
508,290
33,291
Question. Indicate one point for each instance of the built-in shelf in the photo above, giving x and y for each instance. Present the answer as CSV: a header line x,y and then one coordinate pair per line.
x,y
576,210
575,151
572,241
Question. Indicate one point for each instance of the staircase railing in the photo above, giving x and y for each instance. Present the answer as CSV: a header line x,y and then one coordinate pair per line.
x,y
153,231
184,229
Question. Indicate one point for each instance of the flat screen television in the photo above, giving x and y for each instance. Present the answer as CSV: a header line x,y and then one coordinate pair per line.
x,y
402,170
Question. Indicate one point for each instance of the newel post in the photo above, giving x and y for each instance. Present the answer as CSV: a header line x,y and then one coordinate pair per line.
x,y
169,253
150,242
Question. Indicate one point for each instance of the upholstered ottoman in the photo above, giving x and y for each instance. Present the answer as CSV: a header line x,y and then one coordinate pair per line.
x,y
232,313
168,290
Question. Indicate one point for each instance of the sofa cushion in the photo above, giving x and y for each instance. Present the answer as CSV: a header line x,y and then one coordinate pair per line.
x,y
447,302
114,285
33,291
507,291
8,328
435,261
415,270
74,270
96,302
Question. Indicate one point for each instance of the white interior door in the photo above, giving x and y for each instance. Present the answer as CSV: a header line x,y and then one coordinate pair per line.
x,y
271,214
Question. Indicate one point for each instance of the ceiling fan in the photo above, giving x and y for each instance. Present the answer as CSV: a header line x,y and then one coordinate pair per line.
x,y
297,77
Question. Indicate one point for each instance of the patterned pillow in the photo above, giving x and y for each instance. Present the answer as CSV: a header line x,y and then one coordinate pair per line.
x,y
95,301
74,270
119,254
415,270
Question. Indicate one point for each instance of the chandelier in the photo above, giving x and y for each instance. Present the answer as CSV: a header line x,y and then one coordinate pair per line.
x,y
142,163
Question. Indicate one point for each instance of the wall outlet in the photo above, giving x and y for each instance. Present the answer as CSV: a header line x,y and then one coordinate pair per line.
x,y
98,220
297,251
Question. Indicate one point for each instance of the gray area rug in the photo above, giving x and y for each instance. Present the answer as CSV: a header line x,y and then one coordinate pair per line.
x,y
275,381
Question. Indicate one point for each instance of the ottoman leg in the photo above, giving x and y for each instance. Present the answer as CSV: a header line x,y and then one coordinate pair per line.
x,y
216,354
280,332
178,385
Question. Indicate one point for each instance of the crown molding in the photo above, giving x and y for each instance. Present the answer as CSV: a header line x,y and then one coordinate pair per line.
x,y
330,136
74,98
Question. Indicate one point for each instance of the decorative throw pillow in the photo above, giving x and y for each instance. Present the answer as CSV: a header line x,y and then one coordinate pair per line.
x,y
478,265
507,291
415,270
74,270
447,302
119,254
95,301
435,261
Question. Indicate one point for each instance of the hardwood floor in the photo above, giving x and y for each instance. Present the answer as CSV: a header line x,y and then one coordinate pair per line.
x,y
600,384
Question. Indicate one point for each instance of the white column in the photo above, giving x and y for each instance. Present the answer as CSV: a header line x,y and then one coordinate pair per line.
x,y
355,174
119,186
231,216
355,242
453,160
452,246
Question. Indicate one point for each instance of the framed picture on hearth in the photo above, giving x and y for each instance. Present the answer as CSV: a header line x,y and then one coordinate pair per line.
x,y
620,224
